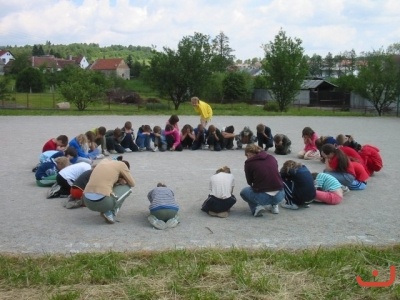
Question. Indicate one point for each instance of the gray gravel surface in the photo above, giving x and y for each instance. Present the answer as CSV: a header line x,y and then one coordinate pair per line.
x,y
30,223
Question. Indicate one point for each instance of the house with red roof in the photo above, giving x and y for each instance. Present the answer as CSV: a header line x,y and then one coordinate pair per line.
x,y
52,63
112,66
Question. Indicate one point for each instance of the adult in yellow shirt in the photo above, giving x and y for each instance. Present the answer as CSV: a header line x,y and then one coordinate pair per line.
x,y
204,109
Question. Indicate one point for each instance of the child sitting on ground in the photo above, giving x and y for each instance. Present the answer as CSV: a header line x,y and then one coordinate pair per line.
x,y
310,150
159,140
47,171
59,143
298,185
246,137
329,189
163,207
282,144
264,136
143,138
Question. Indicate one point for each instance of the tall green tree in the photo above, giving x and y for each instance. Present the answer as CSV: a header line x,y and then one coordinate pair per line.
x,y
4,87
234,87
82,88
285,68
182,73
30,80
329,64
20,63
315,65
222,53
378,79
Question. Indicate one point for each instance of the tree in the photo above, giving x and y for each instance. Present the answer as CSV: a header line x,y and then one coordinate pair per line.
x,y
234,86
329,64
315,65
4,88
378,80
30,80
346,83
222,57
20,63
82,88
285,68
182,73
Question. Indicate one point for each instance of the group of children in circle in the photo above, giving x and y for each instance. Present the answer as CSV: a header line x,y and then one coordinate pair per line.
x,y
66,166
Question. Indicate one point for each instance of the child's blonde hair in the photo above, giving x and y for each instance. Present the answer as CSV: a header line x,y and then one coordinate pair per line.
x,y
62,162
224,169
289,165
252,148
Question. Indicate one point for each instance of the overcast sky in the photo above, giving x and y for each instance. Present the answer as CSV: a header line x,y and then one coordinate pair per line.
x,y
323,25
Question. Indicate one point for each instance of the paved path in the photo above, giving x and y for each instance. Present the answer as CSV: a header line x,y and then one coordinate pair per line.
x,y
30,223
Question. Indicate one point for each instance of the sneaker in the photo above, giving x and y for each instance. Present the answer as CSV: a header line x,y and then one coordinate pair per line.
x,y
72,203
223,214
171,223
211,147
345,189
106,153
128,150
99,156
155,149
156,222
273,208
259,211
54,192
113,152
108,216
150,149
289,206
142,149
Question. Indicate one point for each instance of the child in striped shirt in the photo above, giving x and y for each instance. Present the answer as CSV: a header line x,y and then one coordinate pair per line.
x,y
163,207
329,189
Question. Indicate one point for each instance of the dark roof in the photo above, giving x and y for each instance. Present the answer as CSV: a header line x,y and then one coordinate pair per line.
x,y
314,83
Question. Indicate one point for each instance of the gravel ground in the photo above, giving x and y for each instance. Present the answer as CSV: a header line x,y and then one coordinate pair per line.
x,y
31,223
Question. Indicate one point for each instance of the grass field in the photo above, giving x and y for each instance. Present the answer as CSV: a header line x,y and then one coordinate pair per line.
x,y
202,274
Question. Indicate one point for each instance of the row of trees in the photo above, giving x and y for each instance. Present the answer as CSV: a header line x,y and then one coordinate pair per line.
x,y
199,67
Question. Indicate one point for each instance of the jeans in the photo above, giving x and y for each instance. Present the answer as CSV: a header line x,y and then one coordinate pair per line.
x,y
345,179
143,141
255,199
109,202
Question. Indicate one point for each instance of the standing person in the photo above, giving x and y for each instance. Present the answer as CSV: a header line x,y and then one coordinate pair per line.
x,y
329,190
109,185
265,183
264,136
204,110
298,184
310,150
282,144
220,200
163,207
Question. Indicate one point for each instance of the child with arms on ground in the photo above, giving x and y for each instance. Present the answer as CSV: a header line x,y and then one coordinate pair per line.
x,y
329,189
310,150
264,136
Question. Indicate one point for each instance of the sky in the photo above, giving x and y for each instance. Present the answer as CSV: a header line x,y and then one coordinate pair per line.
x,y
323,26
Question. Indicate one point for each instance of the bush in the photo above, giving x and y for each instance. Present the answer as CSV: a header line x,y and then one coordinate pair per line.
x,y
271,106
156,106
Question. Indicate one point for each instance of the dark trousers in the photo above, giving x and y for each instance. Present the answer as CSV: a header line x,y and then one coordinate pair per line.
x,y
170,142
218,205
269,143
128,142
212,141
63,183
187,142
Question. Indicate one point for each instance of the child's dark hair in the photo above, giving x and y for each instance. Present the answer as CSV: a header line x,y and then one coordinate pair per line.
x,y
127,164
260,128
169,127
101,130
117,132
343,160
71,151
173,119
128,125
314,175
278,138
211,129
157,129
230,129
307,131
63,138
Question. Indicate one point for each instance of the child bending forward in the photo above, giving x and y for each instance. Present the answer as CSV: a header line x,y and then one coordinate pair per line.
x,y
329,189
163,207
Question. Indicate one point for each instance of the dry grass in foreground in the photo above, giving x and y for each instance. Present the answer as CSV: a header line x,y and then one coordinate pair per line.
x,y
202,274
